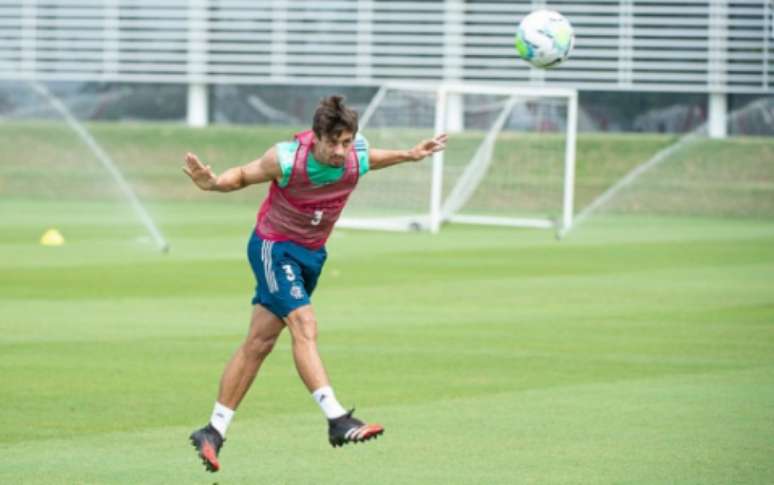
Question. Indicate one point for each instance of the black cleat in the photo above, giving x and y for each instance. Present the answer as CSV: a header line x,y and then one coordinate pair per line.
x,y
207,442
346,429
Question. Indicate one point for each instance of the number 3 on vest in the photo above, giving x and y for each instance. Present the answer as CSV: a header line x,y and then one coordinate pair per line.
x,y
318,214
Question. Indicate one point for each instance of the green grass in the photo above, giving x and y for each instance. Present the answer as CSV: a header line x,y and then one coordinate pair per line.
x,y
639,350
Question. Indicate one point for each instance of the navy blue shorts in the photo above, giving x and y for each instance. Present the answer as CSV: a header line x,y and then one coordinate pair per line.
x,y
285,273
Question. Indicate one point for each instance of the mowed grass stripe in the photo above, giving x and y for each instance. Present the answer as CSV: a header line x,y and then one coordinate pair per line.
x,y
684,429
173,277
403,361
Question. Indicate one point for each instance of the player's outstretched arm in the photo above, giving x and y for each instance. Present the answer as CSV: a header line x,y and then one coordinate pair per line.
x,y
378,158
261,170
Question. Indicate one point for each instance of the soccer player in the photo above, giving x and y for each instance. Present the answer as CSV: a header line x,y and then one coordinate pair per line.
x,y
311,179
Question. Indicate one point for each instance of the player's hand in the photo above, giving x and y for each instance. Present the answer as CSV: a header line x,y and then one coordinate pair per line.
x,y
200,173
425,148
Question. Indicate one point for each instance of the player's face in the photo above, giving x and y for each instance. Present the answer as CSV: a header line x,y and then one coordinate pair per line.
x,y
333,150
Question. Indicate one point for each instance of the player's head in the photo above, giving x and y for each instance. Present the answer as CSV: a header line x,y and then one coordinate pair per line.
x,y
335,127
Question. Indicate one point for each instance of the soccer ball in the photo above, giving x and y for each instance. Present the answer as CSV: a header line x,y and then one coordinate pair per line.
x,y
544,38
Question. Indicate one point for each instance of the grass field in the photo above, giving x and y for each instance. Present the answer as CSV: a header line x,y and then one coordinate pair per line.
x,y
639,350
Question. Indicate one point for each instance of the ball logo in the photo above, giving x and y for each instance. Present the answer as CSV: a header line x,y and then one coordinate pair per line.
x,y
296,292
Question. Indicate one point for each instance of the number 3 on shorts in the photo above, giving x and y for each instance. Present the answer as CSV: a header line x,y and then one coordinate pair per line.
x,y
289,272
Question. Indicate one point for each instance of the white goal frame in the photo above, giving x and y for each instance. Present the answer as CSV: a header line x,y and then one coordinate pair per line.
x,y
438,212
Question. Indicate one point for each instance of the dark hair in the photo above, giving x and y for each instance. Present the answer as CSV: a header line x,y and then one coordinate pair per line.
x,y
332,117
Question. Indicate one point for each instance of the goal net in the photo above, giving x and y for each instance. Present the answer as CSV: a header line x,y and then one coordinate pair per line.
x,y
509,161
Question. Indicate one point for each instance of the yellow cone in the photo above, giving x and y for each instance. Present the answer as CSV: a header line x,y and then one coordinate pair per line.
x,y
52,237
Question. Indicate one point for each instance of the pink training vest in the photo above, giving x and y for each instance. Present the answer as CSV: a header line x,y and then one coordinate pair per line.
x,y
302,212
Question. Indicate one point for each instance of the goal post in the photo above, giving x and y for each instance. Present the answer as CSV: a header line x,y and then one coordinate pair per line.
x,y
510,160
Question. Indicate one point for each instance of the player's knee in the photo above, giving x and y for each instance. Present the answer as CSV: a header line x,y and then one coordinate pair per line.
x,y
303,328
259,347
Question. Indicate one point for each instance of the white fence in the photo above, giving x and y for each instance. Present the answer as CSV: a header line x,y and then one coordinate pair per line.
x,y
710,46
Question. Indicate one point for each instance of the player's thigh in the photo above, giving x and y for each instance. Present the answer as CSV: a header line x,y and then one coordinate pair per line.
x,y
302,265
311,266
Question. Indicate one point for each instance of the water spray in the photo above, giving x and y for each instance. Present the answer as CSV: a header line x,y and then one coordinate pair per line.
x,y
106,162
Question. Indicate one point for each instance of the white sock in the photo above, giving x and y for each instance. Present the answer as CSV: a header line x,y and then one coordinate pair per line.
x,y
327,400
221,418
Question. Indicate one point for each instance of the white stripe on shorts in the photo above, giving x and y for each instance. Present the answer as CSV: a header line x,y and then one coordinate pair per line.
x,y
271,279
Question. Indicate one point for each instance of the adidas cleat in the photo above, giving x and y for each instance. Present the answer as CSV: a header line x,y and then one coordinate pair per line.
x,y
346,429
207,442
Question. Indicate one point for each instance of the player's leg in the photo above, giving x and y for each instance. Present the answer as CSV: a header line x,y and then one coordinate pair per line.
x,y
302,325
342,426
287,274
237,377
265,328
240,371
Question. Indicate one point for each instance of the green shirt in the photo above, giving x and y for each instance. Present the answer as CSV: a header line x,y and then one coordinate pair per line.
x,y
319,173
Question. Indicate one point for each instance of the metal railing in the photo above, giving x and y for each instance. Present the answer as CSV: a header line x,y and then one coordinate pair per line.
x,y
712,46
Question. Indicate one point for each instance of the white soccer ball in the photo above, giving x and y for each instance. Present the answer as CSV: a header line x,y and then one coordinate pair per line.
x,y
544,38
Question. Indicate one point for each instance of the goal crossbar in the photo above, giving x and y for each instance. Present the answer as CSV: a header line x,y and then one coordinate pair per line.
x,y
440,211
